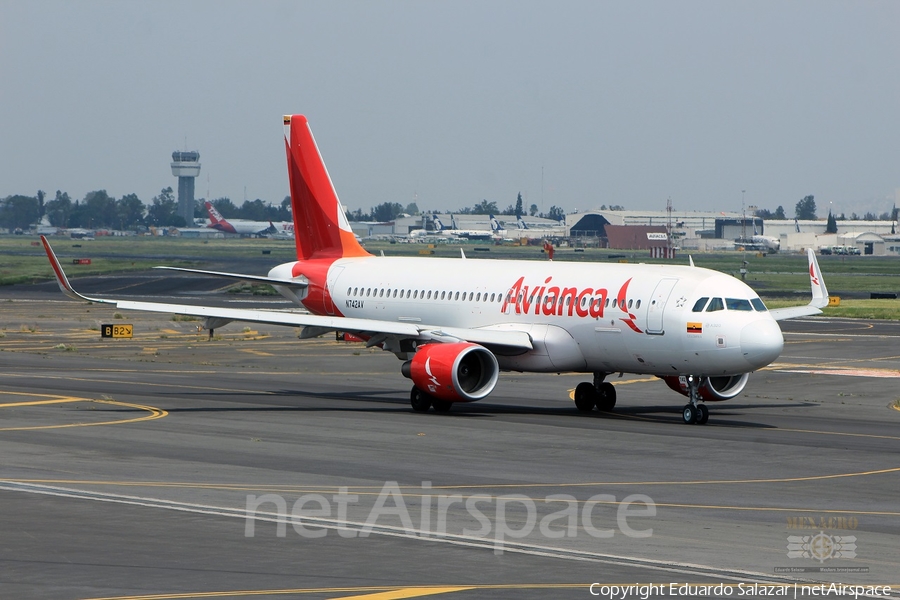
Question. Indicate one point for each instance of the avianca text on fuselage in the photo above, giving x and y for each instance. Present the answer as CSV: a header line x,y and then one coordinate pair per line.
x,y
549,299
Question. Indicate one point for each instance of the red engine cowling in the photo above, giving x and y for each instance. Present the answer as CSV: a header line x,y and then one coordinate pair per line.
x,y
712,389
460,372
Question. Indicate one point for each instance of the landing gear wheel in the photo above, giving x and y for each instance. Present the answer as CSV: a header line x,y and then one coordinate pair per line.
x,y
419,400
689,414
441,406
585,397
606,398
703,415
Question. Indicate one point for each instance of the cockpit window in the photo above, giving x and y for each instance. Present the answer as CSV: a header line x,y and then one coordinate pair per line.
x,y
758,305
700,304
715,304
738,304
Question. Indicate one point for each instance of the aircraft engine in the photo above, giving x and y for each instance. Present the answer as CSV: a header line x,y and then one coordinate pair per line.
x,y
712,389
458,372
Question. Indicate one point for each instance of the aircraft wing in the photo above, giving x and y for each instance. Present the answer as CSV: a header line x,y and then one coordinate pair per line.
x,y
318,324
819,294
792,312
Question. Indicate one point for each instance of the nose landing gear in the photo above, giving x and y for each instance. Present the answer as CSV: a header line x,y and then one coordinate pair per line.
x,y
694,412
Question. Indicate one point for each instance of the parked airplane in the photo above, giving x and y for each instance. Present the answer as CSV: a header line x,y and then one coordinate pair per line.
x,y
520,222
438,230
762,243
282,231
469,234
240,226
456,323
43,227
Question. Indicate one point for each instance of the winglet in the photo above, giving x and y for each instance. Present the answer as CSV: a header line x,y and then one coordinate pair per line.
x,y
819,294
691,259
61,278
816,282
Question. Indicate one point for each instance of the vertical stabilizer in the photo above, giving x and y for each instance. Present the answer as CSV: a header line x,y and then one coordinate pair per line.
x,y
321,229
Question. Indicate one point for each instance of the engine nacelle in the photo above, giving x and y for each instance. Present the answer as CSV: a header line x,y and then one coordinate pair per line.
x,y
460,372
712,389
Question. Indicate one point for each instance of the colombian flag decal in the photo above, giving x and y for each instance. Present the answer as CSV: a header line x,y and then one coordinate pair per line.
x,y
695,327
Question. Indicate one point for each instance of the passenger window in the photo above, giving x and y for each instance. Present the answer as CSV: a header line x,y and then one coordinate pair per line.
x,y
443,294
415,294
738,304
368,292
715,304
758,305
457,296
429,294
700,304
492,297
629,304
637,304
478,297
349,291
381,293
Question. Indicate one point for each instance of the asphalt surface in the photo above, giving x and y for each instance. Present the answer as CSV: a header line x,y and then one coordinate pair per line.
x,y
129,467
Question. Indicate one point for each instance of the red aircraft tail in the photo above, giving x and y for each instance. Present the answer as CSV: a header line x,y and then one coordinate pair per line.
x,y
321,229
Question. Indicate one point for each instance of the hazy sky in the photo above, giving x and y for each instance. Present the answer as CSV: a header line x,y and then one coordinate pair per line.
x,y
449,103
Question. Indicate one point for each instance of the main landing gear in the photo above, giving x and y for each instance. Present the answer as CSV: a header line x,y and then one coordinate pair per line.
x,y
694,412
601,394
421,402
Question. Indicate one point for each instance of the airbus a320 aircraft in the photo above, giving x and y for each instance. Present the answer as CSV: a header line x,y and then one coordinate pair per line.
x,y
456,323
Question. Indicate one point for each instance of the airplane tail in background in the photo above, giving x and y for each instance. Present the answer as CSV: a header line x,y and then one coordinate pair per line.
x,y
215,216
436,221
495,224
321,229
521,222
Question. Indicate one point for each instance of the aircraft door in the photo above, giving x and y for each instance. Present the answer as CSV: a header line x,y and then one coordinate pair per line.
x,y
657,305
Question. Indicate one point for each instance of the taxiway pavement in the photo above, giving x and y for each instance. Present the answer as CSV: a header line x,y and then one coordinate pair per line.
x,y
127,467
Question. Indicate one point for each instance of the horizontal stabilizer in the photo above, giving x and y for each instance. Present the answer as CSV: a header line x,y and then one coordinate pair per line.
x,y
298,283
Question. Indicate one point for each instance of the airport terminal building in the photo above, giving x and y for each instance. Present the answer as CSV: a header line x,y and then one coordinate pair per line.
x,y
710,231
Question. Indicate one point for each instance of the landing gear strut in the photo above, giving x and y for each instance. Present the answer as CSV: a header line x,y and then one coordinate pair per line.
x,y
694,412
600,394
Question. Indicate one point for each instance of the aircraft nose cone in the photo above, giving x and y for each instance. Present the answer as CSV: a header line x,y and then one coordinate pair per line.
x,y
761,342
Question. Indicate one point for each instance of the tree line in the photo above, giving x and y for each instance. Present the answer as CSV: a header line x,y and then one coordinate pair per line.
x,y
805,210
388,211
99,210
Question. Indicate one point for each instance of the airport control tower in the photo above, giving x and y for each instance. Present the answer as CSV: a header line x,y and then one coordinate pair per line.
x,y
186,167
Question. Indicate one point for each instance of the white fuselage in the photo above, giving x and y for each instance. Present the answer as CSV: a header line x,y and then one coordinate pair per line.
x,y
581,317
